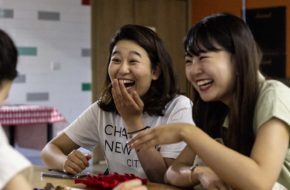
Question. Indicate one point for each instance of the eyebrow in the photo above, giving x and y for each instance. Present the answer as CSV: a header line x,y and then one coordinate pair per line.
x,y
135,53
131,52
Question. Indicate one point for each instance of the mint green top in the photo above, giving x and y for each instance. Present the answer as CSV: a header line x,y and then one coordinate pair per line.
x,y
274,101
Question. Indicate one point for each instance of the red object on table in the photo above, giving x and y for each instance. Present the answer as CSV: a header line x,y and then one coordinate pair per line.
x,y
17,115
106,182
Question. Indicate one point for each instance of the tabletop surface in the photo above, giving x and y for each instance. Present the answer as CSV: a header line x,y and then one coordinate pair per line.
x,y
39,182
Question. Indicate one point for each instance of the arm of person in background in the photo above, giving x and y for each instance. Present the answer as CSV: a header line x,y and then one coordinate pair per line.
x,y
130,107
263,165
12,163
61,153
18,181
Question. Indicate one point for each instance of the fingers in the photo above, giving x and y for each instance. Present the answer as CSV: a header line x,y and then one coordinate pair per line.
x,y
76,162
137,99
116,92
143,140
208,179
121,95
119,90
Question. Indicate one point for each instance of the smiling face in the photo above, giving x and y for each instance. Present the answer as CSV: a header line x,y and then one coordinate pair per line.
x,y
211,74
130,63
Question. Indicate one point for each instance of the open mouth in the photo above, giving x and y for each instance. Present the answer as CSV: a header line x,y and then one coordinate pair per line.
x,y
128,83
204,83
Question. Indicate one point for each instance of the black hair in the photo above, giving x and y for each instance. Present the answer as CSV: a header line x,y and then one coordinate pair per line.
x,y
8,58
161,90
232,34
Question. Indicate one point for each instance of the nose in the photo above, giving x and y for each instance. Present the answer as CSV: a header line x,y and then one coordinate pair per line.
x,y
195,67
124,67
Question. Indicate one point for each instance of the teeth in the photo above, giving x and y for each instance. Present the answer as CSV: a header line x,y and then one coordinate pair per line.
x,y
203,82
127,81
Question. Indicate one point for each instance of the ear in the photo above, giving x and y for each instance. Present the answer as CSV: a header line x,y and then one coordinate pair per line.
x,y
156,73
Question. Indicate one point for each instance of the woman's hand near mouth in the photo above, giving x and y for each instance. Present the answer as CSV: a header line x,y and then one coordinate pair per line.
x,y
129,105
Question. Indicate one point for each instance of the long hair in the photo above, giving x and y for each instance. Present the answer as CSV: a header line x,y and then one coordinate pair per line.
x,y
234,36
8,58
161,90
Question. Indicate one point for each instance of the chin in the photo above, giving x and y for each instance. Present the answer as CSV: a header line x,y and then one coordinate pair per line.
x,y
207,99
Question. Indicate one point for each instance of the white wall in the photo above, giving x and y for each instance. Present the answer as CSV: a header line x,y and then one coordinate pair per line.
x,y
56,64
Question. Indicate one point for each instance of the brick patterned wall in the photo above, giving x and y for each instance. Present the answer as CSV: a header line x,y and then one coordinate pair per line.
x,y
53,40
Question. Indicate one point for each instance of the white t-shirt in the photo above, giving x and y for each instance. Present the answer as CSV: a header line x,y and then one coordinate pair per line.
x,y
11,162
95,126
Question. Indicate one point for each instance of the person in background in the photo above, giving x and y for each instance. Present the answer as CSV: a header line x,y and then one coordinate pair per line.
x,y
232,101
11,162
140,92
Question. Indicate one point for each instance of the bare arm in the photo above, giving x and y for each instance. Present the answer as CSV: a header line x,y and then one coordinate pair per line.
x,y
154,164
18,182
61,153
151,160
180,172
259,171
130,107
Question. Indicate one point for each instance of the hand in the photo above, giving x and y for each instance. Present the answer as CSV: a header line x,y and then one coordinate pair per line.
x,y
208,179
76,162
134,184
128,103
164,134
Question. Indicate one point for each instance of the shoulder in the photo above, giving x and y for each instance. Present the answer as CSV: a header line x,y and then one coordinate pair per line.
x,y
180,100
3,138
11,162
95,109
274,90
92,115
273,101
179,103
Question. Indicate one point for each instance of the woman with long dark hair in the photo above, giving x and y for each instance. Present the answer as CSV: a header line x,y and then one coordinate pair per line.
x,y
234,104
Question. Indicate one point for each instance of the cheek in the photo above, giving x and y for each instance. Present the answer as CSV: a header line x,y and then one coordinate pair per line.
x,y
111,71
188,74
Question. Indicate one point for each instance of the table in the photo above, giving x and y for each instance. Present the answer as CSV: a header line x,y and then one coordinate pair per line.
x,y
17,115
37,181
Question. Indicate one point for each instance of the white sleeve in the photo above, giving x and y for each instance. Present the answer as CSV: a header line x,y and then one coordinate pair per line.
x,y
11,161
84,130
178,111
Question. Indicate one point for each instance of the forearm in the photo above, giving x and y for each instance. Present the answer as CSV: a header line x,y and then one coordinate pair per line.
x,y
153,164
180,175
225,162
220,158
18,182
53,157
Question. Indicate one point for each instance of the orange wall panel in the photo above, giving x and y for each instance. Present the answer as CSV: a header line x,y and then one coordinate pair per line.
x,y
202,8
